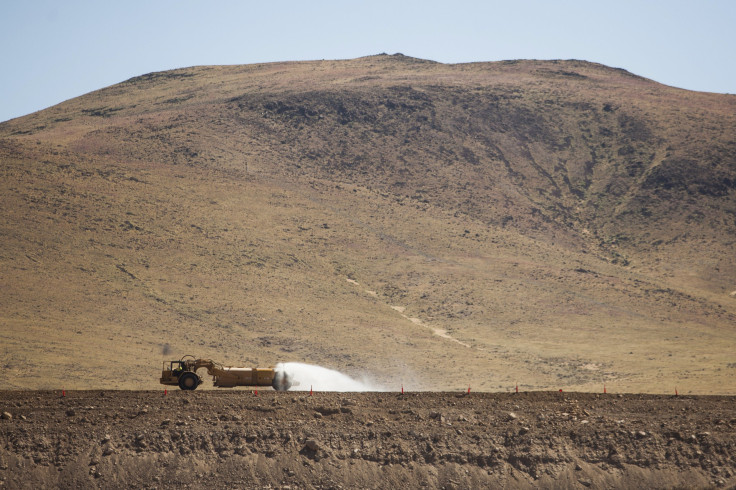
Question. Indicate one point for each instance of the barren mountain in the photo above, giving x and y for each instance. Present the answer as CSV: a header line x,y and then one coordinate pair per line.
x,y
551,224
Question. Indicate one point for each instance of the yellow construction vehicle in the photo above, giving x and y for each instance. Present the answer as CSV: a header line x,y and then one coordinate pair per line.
x,y
184,374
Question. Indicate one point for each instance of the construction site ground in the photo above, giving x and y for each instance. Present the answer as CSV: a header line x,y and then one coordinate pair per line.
x,y
239,439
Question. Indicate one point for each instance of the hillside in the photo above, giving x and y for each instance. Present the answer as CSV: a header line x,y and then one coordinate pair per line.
x,y
556,224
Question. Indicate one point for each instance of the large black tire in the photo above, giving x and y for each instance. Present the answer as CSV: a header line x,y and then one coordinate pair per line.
x,y
188,381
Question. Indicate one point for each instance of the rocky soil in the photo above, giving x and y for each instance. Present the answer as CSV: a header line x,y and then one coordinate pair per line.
x,y
237,439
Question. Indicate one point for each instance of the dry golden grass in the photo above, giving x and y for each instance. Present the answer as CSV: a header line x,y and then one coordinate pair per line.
x,y
565,224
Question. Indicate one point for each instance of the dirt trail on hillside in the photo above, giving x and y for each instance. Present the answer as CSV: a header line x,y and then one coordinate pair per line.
x,y
235,439
440,332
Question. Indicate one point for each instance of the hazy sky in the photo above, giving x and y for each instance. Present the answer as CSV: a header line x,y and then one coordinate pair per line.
x,y
54,50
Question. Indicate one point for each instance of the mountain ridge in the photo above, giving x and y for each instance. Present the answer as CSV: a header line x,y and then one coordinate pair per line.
x,y
510,204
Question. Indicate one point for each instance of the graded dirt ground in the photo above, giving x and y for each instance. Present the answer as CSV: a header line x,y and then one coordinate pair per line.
x,y
551,224
235,439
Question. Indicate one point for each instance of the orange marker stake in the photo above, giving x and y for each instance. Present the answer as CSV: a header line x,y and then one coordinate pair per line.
x,y
166,392
402,389
63,392
676,391
310,390
604,389
256,392
517,387
468,390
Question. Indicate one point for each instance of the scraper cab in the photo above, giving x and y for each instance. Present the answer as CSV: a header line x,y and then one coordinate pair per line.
x,y
184,374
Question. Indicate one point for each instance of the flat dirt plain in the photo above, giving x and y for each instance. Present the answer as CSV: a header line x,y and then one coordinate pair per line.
x,y
237,439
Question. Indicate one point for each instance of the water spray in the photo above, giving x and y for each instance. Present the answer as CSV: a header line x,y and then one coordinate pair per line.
x,y
301,377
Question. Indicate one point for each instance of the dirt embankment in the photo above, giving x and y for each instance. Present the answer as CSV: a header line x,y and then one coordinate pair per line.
x,y
235,439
